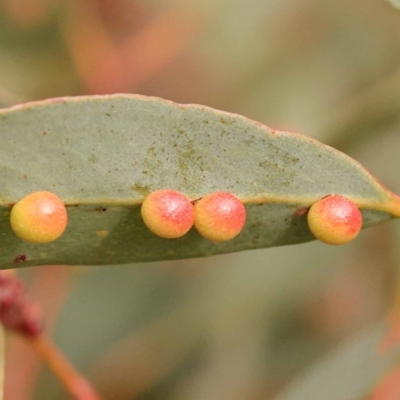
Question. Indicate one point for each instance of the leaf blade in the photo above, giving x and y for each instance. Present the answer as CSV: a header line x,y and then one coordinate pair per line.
x,y
108,152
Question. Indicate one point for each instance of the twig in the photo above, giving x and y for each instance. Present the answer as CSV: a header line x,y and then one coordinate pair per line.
x,y
388,387
76,384
49,287
2,357
23,317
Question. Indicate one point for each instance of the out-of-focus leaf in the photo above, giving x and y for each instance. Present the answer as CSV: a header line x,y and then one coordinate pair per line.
x,y
346,374
392,338
104,154
365,115
395,3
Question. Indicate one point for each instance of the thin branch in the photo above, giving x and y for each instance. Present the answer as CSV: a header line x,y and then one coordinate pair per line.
x,y
73,382
25,318
49,287
2,357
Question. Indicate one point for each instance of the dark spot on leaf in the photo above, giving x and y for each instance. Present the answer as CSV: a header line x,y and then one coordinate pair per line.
x,y
300,212
144,190
100,209
20,259
44,133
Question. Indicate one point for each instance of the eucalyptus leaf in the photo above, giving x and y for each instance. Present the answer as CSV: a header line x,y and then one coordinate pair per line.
x,y
103,154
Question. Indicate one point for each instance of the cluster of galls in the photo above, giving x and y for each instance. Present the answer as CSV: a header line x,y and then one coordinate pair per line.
x,y
41,217
218,216
221,216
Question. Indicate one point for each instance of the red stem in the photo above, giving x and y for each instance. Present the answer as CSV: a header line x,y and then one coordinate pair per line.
x,y
74,383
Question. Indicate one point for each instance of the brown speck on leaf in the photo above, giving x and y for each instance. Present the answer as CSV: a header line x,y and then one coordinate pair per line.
x,y
20,259
100,209
300,212
44,133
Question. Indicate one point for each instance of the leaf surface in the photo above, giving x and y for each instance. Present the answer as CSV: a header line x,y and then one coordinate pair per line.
x,y
103,154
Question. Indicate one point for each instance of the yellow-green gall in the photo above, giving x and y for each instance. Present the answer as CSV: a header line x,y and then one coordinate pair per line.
x,y
168,213
40,217
219,216
334,220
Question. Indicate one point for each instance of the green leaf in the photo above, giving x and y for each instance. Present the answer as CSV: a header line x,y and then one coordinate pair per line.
x,y
103,154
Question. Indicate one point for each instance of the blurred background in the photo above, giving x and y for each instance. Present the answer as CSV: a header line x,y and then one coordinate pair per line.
x,y
253,325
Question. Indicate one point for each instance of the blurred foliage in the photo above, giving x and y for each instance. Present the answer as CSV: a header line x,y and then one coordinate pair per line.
x,y
242,326
395,3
